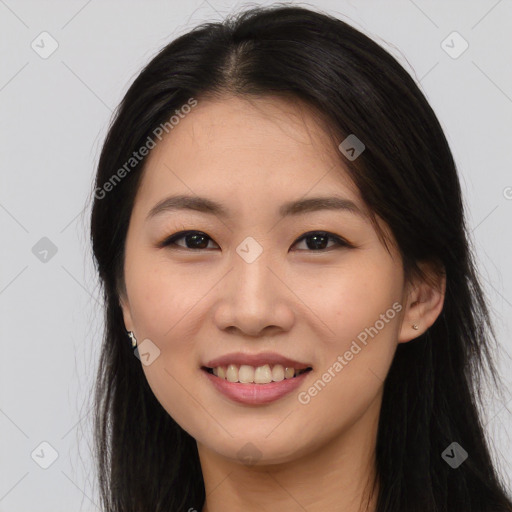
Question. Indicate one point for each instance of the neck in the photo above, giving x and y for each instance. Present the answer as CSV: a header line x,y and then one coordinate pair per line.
x,y
338,475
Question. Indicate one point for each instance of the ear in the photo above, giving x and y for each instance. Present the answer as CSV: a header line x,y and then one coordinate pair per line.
x,y
127,316
425,299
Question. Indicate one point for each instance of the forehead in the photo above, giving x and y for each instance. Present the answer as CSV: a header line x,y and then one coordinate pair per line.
x,y
257,115
235,147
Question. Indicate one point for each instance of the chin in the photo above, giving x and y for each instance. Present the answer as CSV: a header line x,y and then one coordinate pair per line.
x,y
257,448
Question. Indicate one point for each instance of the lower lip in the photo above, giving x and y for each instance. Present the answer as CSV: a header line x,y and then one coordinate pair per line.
x,y
256,394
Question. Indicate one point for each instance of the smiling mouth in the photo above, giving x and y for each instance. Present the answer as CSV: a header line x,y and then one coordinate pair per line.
x,y
245,374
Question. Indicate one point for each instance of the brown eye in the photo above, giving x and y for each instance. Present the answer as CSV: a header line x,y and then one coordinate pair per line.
x,y
193,240
317,240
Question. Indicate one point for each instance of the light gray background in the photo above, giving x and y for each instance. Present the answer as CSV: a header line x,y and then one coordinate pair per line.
x,y
54,116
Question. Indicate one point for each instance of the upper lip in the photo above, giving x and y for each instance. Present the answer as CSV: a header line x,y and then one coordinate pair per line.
x,y
256,360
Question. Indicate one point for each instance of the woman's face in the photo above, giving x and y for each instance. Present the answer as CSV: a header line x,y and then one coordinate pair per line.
x,y
246,283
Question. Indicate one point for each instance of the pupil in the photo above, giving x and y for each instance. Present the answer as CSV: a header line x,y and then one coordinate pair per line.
x,y
315,244
196,237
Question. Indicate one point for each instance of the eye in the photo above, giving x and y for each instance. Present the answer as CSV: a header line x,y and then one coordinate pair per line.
x,y
319,238
193,240
199,240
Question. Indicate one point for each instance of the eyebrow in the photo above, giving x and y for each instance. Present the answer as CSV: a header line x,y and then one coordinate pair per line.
x,y
297,207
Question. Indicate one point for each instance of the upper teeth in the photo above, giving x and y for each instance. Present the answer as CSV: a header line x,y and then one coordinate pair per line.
x,y
258,375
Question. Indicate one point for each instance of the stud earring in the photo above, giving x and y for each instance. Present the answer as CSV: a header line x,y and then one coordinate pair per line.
x,y
414,326
134,340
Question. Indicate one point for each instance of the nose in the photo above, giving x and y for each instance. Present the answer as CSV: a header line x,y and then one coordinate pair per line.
x,y
255,300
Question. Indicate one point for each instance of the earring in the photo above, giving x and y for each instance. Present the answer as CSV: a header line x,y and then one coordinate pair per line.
x,y
134,340
414,326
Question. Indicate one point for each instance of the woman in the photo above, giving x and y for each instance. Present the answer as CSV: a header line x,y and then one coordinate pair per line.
x,y
293,317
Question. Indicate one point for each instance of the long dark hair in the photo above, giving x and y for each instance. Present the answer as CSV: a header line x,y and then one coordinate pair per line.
x,y
406,175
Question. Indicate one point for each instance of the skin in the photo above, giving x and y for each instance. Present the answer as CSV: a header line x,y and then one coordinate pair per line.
x,y
306,303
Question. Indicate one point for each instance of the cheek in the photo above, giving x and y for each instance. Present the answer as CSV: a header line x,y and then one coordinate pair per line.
x,y
163,302
351,376
170,381
351,298
163,294
361,307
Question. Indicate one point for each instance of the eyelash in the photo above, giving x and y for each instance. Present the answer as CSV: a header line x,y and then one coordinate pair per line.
x,y
170,241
